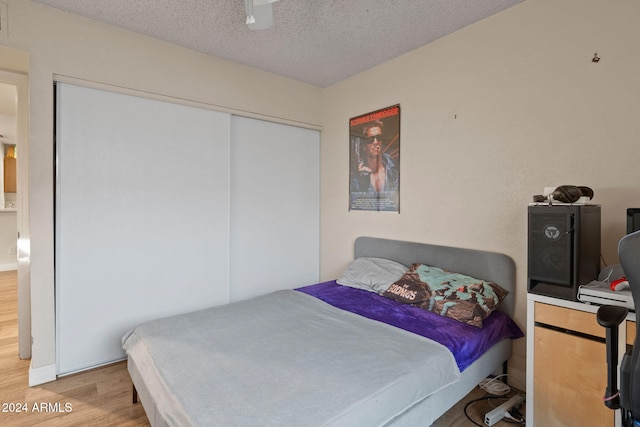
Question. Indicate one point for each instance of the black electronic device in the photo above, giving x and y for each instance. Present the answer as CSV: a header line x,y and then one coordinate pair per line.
x,y
633,220
563,248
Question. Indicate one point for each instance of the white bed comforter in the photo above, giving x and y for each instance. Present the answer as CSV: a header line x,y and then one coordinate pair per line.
x,y
284,359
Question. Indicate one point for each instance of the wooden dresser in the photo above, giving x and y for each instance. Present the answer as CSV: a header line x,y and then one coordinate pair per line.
x,y
566,363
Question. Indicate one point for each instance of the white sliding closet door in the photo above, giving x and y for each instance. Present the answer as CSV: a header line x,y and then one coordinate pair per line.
x,y
275,212
142,217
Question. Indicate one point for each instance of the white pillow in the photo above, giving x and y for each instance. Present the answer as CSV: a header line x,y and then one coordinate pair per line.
x,y
372,274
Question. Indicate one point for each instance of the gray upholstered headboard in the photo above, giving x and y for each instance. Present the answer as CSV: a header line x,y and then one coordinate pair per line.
x,y
490,266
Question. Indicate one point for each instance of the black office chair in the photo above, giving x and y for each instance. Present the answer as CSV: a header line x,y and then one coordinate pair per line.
x,y
628,398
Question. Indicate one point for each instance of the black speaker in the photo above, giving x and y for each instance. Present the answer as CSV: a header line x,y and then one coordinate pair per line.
x,y
563,248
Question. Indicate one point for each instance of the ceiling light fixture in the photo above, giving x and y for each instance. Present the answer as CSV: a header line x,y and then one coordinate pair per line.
x,y
259,14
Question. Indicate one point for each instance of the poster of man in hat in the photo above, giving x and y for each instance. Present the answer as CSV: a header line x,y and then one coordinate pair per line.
x,y
374,142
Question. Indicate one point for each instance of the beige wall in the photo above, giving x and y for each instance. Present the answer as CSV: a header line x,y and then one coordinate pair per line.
x,y
490,116
62,44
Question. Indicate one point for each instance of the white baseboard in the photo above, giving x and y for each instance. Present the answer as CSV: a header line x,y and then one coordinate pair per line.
x,y
41,375
8,267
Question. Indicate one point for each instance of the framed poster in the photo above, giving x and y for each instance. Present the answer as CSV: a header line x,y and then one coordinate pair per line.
x,y
374,176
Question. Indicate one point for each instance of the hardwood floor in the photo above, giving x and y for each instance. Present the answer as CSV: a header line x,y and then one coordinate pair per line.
x,y
100,397
477,408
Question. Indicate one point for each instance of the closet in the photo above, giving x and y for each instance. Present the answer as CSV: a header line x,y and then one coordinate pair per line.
x,y
163,208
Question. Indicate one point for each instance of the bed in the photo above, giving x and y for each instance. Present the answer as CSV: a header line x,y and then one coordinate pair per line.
x,y
328,354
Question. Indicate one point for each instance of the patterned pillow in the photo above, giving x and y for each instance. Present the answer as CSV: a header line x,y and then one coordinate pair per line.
x,y
460,297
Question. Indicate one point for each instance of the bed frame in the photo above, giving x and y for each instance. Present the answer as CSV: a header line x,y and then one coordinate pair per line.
x,y
490,266
484,265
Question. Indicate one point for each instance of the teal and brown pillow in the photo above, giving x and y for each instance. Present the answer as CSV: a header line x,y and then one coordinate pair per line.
x,y
454,295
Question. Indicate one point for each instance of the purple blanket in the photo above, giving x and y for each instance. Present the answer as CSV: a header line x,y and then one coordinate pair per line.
x,y
467,343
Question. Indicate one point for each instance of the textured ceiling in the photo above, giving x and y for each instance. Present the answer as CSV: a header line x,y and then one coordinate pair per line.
x,y
320,42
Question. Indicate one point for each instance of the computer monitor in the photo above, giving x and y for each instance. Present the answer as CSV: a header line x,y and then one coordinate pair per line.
x,y
633,220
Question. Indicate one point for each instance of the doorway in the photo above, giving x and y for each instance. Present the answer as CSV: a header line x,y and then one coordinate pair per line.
x,y
8,177
14,213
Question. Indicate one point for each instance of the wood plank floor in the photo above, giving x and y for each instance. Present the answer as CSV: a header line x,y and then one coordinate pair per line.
x,y
102,396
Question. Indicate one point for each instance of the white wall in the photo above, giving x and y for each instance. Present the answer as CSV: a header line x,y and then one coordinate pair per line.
x,y
8,237
58,43
490,116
